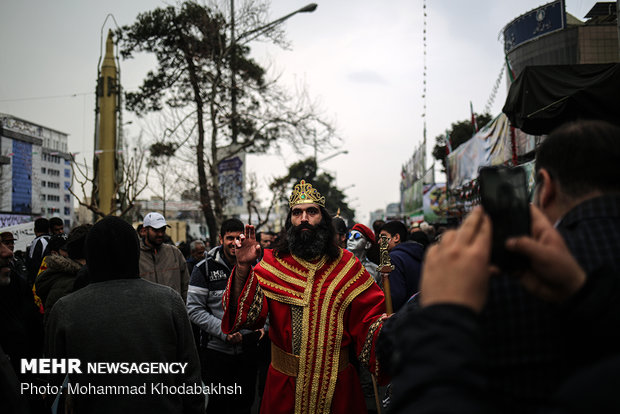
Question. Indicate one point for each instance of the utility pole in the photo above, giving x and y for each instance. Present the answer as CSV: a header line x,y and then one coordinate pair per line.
x,y
233,75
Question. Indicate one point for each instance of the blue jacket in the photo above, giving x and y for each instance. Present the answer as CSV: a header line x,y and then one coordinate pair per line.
x,y
405,278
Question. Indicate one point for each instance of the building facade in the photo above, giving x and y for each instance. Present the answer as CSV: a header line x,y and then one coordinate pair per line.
x,y
35,171
548,35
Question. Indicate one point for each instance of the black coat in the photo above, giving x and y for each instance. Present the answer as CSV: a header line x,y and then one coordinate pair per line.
x,y
440,365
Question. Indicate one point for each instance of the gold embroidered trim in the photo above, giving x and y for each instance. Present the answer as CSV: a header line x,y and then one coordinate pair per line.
x,y
255,308
300,271
326,308
243,300
326,324
283,276
301,385
332,347
279,287
313,267
364,356
297,314
284,299
317,322
327,392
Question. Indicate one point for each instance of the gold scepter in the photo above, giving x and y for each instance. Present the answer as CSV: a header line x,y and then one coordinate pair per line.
x,y
385,267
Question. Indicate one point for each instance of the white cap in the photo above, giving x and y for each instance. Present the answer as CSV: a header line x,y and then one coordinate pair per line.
x,y
155,220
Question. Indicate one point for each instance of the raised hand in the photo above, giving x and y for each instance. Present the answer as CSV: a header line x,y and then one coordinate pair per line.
x,y
247,252
247,249
554,274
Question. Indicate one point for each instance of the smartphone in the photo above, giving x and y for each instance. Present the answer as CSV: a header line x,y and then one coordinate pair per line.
x,y
504,196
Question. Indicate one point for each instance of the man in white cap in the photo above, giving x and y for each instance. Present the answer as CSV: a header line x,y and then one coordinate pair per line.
x,y
160,262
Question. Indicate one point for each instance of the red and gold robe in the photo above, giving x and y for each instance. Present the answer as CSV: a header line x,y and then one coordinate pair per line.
x,y
339,306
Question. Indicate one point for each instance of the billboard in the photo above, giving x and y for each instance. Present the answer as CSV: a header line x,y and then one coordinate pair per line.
x,y
23,233
435,203
231,174
543,20
412,202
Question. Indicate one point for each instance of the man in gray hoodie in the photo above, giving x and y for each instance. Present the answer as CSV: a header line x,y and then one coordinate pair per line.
x,y
227,359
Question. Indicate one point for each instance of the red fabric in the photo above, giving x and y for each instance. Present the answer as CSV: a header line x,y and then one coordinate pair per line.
x,y
365,307
366,232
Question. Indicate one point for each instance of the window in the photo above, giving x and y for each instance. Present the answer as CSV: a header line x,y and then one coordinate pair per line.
x,y
43,170
67,173
67,211
42,183
67,185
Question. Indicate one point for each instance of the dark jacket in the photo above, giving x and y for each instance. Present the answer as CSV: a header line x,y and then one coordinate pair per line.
x,y
440,366
21,324
127,320
523,334
405,278
35,256
56,281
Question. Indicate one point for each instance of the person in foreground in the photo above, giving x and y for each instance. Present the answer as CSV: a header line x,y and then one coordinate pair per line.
x,y
440,365
120,317
322,306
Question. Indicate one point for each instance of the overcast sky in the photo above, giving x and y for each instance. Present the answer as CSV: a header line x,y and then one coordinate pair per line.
x,y
361,60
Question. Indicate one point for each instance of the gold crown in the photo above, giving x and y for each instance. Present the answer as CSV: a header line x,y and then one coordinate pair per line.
x,y
304,193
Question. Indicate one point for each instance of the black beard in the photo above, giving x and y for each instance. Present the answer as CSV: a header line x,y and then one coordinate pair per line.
x,y
308,244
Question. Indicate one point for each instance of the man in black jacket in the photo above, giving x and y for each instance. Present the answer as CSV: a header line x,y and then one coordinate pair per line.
x,y
36,250
440,363
578,190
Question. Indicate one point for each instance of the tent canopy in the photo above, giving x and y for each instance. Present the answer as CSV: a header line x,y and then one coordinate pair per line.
x,y
544,97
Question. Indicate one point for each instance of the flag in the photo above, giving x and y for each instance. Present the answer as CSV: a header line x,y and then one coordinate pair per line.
x,y
511,73
473,117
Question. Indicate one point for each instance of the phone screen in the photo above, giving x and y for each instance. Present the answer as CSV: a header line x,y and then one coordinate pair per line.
x,y
504,196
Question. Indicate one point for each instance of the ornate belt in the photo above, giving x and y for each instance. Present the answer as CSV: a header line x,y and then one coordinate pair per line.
x,y
288,364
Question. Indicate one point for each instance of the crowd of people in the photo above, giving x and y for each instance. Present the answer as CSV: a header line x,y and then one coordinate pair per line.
x,y
309,320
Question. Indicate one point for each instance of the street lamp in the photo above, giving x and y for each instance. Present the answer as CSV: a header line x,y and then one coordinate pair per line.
x,y
233,57
329,157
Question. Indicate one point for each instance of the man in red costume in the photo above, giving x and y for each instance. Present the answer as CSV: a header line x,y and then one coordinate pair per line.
x,y
322,305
